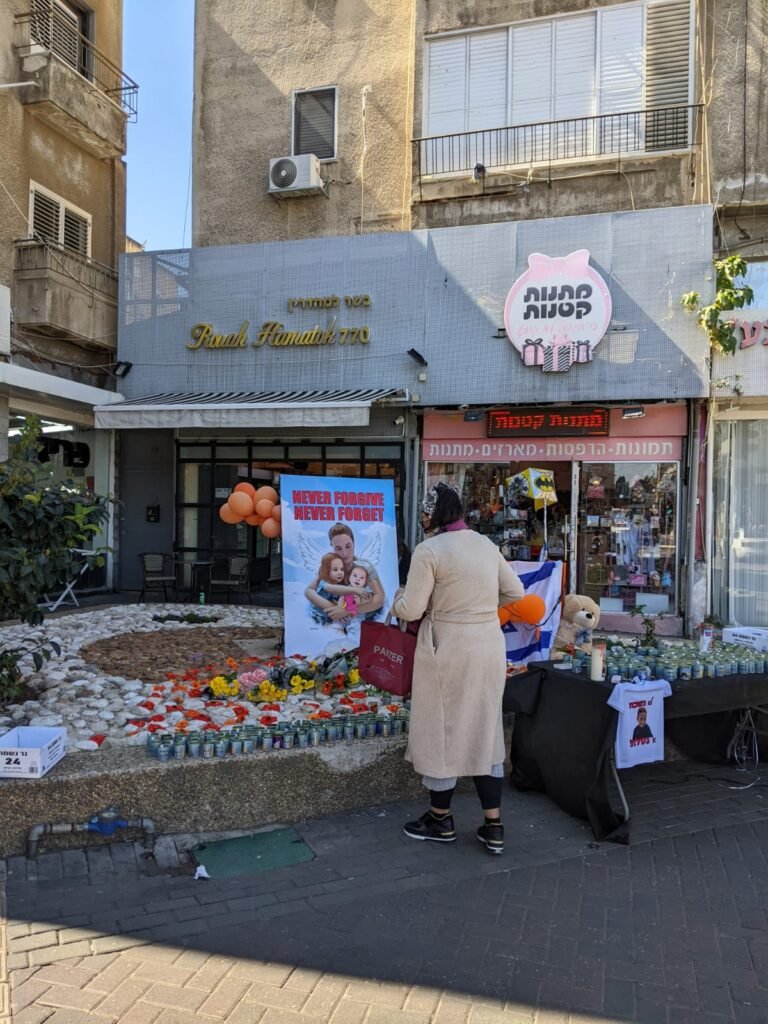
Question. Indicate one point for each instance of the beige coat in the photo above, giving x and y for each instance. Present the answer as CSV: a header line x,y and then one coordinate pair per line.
x,y
459,579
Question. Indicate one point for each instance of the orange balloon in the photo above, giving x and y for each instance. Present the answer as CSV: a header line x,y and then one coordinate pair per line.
x,y
254,520
266,492
228,515
530,609
241,504
246,489
277,512
270,528
264,507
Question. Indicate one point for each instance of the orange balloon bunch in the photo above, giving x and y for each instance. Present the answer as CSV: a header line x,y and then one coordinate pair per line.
x,y
255,507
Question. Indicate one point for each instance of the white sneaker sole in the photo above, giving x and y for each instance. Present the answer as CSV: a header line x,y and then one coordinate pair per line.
x,y
491,849
430,839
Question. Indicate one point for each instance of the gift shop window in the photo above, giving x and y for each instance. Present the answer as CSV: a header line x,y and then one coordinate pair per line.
x,y
498,503
628,535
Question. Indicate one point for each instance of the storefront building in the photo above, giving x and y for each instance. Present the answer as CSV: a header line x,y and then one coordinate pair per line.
x,y
737,520
468,352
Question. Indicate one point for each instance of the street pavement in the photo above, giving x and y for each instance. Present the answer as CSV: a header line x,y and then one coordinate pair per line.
x,y
379,929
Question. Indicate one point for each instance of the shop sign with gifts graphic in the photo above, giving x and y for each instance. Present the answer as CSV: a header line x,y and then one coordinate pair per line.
x,y
557,311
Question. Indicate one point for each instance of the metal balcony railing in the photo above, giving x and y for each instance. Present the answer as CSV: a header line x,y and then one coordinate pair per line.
x,y
633,132
50,26
44,256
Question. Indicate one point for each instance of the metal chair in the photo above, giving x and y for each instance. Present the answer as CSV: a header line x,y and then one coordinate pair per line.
x,y
232,574
158,573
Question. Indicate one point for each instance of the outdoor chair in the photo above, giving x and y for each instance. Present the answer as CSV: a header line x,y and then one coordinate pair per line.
x,y
158,573
232,575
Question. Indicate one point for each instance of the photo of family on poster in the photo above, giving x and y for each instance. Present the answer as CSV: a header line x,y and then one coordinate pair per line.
x,y
336,573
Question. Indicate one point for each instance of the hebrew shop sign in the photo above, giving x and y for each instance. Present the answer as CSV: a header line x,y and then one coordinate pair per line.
x,y
557,311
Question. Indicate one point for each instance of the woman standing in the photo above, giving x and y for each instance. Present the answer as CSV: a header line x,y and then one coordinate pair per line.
x,y
457,581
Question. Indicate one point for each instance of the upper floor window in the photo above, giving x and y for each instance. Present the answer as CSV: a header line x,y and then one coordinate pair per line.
x,y
623,59
54,220
314,122
62,28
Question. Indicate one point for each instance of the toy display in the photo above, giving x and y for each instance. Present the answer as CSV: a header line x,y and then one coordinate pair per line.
x,y
579,617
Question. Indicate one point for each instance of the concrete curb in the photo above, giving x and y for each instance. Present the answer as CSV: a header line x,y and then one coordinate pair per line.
x,y
5,994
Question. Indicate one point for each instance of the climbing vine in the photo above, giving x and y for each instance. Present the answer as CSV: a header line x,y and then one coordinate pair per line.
x,y
728,295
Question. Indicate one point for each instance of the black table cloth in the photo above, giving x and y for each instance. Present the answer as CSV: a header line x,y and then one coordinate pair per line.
x,y
565,731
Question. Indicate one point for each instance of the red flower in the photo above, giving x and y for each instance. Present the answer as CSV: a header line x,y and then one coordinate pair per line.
x,y
98,738
268,719
271,707
210,725
153,727
148,704
170,675
157,718
346,700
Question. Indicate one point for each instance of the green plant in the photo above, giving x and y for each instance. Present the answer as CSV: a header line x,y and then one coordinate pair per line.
x,y
10,673
648,623
42,523
728,295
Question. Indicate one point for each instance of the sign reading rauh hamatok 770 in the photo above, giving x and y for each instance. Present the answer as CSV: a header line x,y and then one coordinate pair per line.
x,y
557,311
275,333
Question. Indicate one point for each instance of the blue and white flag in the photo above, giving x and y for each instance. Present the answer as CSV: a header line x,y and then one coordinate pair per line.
x,y
544,579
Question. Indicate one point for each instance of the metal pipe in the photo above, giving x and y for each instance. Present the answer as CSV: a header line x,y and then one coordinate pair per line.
x,y
693,504
105,823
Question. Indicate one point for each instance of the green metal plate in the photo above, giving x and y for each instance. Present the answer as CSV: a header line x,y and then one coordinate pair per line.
x,y
247,855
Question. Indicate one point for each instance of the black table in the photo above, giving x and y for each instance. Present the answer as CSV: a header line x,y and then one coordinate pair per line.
x,y
565,731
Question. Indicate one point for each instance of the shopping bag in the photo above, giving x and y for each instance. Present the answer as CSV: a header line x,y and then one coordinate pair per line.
x,y
385,656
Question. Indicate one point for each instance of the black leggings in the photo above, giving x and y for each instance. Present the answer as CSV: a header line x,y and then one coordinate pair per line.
x,y
488,789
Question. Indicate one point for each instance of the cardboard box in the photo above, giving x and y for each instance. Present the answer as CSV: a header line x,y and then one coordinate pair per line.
x,y
748,636
28,752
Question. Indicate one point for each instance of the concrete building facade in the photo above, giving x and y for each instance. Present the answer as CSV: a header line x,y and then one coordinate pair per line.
x,y
568,107
64,104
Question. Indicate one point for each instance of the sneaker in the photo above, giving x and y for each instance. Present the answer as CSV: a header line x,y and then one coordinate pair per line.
x,y
439,830
492,836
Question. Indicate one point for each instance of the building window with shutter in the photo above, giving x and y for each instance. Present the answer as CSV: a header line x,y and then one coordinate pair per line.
x,y
55,221
314,122
613,80
63,29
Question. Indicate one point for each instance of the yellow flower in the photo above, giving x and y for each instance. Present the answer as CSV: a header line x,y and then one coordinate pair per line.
x,y
354,676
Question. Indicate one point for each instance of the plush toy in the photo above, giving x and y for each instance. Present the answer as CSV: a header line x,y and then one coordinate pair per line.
x,y
580,616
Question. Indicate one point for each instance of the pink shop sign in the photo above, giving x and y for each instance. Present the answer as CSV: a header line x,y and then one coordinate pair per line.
x,y
609,449
557,311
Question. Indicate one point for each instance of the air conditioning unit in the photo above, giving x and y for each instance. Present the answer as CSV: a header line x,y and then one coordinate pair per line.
x,y
296,176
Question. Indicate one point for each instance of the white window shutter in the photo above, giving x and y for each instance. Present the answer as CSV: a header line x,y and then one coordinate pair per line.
x,y
575,67
487,94
487,80
446,86
531,87
76,232
621,79
531,73
46,217
574,87
667,74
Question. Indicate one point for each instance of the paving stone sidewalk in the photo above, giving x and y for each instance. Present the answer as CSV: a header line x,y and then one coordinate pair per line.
x,y
379,929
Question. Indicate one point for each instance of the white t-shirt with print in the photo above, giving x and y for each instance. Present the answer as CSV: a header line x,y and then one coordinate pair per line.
x,y
640,732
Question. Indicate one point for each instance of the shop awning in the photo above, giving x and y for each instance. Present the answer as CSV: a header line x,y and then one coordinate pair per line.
x,y
269,409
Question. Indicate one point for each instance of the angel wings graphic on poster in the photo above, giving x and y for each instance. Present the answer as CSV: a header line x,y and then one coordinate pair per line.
x,y
339,559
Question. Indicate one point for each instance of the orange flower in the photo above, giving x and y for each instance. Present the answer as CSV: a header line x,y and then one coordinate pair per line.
x,y
231,663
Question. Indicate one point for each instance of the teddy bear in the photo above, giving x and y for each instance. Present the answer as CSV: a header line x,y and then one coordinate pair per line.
x,y
579,617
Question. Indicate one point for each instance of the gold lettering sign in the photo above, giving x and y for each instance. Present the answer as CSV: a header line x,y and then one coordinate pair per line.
x,y
203,337
328,302
273,334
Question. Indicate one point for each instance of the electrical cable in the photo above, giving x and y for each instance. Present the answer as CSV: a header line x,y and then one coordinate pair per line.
x,y
743,233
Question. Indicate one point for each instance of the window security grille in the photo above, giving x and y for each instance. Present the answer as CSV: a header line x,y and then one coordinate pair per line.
x,y
57,27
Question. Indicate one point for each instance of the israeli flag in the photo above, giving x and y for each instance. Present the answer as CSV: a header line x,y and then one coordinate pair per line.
x,y
546,580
